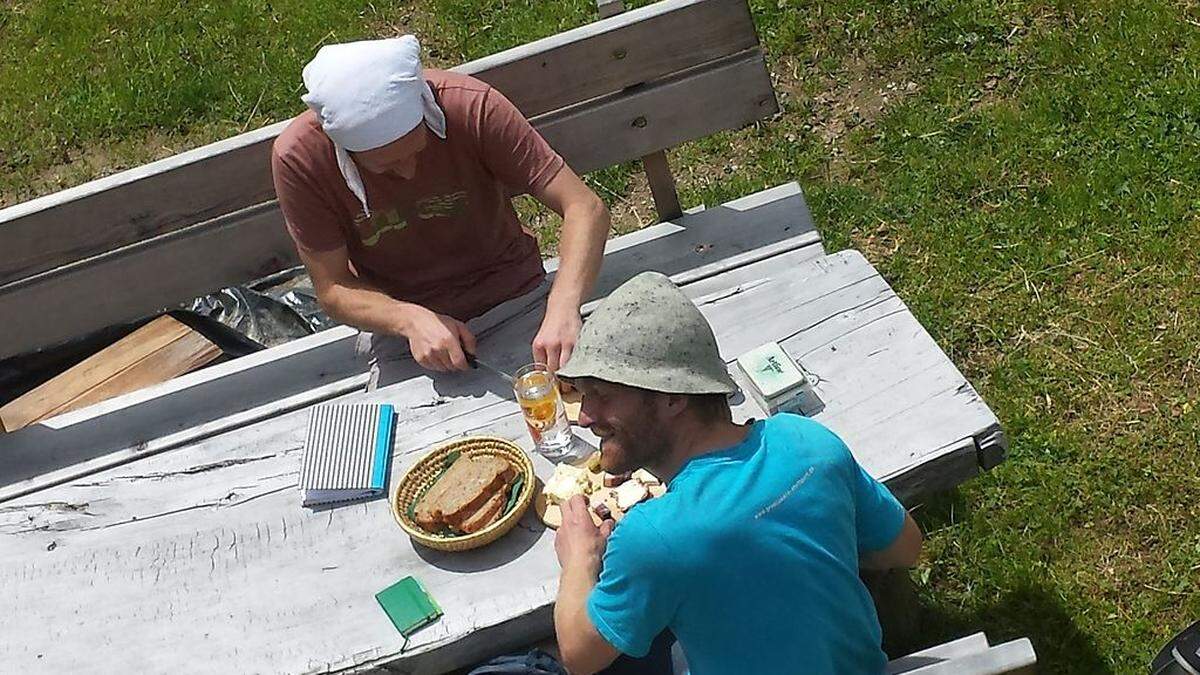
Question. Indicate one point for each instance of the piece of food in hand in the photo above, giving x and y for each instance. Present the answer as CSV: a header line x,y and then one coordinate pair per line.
x,y
630,493
645,477
551,514
611,502
462,490
603,511
567,482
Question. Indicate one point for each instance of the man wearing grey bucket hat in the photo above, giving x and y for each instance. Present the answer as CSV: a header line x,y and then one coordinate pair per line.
x,y
752,556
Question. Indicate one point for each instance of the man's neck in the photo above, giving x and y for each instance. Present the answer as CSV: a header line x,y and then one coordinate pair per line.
x,y
698,439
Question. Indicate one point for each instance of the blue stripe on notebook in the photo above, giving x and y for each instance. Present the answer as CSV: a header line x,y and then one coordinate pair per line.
x,y
383,444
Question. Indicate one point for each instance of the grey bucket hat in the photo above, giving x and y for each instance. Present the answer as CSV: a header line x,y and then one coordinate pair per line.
x,y
648,334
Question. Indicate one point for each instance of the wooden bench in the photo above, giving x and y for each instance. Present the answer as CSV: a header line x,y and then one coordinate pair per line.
x,y
970,655
129,245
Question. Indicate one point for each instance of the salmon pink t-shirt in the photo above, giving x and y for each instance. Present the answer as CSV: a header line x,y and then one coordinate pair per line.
x,y
447,239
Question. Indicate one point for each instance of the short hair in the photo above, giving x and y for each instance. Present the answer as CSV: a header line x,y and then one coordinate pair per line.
x,y
710,406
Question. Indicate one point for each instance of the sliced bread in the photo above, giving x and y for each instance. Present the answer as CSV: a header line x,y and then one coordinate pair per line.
x,y
487,514
465,486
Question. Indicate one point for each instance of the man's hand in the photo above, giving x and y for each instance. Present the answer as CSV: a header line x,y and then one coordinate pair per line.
x,y
555,340
579,543
438,342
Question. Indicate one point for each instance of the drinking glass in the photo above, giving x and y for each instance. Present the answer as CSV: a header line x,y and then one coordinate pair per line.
x,y
537,392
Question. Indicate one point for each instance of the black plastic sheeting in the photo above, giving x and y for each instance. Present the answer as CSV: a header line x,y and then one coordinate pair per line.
x,y
270,312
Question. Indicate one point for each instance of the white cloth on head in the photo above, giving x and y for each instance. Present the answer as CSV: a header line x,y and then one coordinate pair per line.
x,y
368,94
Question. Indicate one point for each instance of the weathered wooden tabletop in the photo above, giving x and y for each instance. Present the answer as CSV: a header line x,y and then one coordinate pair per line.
x,y
201,558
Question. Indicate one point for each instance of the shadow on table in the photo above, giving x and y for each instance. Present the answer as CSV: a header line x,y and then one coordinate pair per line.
x,y
473,383
500,552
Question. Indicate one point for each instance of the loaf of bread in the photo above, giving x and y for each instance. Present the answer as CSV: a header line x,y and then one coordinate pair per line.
x,y
462,491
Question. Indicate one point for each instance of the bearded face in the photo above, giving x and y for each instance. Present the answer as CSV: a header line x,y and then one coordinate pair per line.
x,y
627,421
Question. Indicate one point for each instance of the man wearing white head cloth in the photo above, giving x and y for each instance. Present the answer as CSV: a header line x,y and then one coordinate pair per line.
x,y
396,185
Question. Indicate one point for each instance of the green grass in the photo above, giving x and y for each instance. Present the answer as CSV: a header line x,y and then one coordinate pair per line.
x,y
1030,187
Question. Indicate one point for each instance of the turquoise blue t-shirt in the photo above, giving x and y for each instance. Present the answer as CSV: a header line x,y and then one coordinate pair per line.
x,y
751,558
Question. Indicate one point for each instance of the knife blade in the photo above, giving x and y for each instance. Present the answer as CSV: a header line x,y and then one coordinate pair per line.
x,y
476,362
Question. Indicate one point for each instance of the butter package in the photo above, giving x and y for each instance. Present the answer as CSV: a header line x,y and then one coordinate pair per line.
x,y
776,382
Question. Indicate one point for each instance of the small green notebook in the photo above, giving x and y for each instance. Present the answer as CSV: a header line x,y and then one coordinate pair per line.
x,y
408,606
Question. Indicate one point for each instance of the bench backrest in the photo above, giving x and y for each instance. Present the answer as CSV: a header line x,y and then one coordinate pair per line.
x,y
131,244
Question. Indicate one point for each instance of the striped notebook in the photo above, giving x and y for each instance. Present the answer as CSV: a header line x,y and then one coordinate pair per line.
x,y
346,454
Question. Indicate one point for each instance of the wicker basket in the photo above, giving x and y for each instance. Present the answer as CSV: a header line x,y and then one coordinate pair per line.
x,y
427,469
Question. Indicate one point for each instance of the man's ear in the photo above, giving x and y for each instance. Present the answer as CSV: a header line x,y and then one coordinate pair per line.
x,y
672,405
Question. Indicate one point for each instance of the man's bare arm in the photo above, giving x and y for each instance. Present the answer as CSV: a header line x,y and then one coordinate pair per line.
x,y
903,552
437,341
580,548
585,226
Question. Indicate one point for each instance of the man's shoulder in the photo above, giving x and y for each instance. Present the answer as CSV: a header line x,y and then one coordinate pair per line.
x,y
791,424
451,85
806,434
302,137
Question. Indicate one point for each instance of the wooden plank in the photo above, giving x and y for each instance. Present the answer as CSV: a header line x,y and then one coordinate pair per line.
x,y
213,531
236,250
137,204
662,185
31,472
205,183
1011,658
946,468
734,238
964,646
156,352
641,45
731,93
153,276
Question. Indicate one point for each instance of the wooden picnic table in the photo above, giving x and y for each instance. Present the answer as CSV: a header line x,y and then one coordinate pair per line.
x,y
201,558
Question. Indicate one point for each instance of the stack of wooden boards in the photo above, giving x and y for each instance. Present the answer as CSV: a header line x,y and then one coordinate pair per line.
x,y
160,350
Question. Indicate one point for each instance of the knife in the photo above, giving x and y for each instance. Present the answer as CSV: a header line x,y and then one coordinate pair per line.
x,y
476,362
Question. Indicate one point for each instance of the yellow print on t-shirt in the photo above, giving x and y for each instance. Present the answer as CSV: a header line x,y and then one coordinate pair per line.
x,y
370,230
442,206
